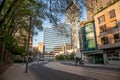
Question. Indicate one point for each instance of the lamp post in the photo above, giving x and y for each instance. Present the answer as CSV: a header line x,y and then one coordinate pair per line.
x,y
64,45
80,41
34,50
28,45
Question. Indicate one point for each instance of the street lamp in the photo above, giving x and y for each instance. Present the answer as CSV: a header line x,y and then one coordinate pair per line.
x,y
28,45
64,45
80,42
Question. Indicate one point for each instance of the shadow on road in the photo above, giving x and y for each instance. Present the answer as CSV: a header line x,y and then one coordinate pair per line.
x,y
44,73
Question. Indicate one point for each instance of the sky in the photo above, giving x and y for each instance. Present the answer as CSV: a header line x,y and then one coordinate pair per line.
x,y
39,38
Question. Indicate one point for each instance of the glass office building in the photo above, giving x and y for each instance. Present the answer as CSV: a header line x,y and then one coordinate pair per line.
x,y
52,39
88,37
93,55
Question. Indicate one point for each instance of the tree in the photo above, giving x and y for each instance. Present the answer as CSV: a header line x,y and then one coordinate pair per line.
x,y
15,10
14,18
15,14
59,57
57,8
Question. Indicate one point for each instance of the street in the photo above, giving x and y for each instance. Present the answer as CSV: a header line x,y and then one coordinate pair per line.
x,y
59,39
45,73
58,71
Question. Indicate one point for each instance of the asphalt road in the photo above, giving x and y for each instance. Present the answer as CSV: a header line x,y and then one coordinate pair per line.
x,y
60,71
43,73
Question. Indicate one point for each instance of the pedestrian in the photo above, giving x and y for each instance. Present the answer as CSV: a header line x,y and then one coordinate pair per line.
x,y
83,62
80,61
77,60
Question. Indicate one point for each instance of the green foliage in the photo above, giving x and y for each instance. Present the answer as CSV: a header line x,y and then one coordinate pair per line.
x,y
65,57
10,42
20,50
71,57
15,18
16,15
59,57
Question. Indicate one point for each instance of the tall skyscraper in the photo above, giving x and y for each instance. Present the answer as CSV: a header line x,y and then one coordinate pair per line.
x,y
72,18
52,39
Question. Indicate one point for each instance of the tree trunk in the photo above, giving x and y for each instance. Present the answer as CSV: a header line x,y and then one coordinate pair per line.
x,y
3,50
6,56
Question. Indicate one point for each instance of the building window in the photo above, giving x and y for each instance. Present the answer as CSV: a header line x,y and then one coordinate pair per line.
x,y
112,13
102,28
91,43
101,19
116,37
104,40
90,35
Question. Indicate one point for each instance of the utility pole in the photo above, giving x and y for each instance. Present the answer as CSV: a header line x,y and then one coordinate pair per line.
x,y
64,46
28,45
80,41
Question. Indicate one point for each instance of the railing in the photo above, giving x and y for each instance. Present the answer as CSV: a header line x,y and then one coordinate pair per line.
x,y
110,31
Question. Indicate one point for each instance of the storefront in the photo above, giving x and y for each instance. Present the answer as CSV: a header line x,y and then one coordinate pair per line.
x,y
92,54
94,57
113,56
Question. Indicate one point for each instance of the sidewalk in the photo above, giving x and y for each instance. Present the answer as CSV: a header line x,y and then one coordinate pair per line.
x,y
17,72
110,66
104,65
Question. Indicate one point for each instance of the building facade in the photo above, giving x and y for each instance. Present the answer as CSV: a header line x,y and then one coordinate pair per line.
x,y
72,18
95,6
107,23
63,49
88,43
58,49
52,39
40,47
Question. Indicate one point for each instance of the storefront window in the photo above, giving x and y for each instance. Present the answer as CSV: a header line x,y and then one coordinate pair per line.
x,y
113,56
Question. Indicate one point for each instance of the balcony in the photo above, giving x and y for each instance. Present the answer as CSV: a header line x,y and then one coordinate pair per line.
x,y
113,30
103,33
